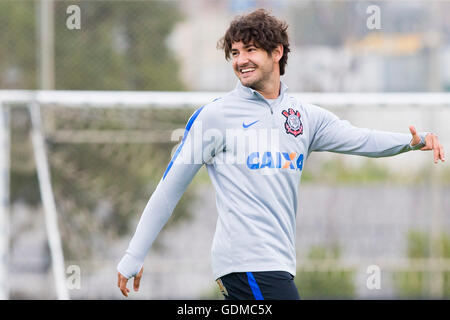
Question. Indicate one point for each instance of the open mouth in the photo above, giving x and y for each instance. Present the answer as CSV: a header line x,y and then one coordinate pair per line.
x,y
246,72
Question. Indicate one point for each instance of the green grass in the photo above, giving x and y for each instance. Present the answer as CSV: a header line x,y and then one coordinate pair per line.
x,y
330,284
416,284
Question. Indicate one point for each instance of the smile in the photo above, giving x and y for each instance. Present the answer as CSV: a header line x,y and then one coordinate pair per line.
x,y
247,72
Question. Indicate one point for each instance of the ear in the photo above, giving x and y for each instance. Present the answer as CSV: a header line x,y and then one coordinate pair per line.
x,y
277,53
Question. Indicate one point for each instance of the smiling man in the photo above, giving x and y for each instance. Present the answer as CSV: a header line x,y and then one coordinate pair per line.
x,y
257,69
253,251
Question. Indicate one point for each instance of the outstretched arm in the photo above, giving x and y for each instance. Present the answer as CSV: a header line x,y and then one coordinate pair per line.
x,y
329,133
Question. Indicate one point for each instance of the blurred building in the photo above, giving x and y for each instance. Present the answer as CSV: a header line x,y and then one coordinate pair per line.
x,y
329,51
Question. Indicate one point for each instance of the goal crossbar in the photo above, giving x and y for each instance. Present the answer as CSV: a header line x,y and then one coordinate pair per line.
x,y
177,99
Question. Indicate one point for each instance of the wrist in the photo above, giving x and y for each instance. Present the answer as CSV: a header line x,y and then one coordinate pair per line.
x,y
129,266
421,144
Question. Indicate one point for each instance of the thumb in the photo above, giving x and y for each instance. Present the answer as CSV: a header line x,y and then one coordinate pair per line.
x,y
415,137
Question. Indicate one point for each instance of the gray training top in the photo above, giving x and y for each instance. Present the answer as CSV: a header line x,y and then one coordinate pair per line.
x,y
254,152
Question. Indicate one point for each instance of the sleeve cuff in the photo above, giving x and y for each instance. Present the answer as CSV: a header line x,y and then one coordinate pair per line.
x,y
129,266
421,144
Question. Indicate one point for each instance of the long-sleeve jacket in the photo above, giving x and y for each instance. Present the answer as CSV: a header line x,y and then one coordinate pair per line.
x,y
254,151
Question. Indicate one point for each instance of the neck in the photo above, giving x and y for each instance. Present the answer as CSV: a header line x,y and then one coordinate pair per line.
x,y
271,90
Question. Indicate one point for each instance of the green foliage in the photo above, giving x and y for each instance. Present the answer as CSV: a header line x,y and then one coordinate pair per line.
x,y
100,189
18,69
121,46
23,180
418,245
330,284
416,284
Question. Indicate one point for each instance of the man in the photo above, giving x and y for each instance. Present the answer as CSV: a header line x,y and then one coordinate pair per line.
x,y
253,251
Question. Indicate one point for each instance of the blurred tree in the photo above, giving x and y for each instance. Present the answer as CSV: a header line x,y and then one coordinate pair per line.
x,y
103,188
18,68
100,189
121,46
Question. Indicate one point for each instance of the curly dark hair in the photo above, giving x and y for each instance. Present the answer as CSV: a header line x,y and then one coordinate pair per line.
x,y
259,27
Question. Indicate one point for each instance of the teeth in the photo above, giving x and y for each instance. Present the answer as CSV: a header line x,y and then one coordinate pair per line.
x,y
247,70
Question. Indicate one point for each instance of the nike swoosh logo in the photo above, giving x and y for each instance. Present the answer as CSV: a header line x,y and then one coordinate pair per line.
x,y
250,124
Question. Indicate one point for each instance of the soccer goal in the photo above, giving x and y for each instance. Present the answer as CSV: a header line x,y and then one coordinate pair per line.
x,y
64,118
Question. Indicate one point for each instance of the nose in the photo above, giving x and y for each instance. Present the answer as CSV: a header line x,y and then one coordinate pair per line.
x,y
241,60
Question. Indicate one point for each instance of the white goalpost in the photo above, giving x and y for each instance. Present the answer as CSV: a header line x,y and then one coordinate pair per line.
x,y
37,100
45,186
4,199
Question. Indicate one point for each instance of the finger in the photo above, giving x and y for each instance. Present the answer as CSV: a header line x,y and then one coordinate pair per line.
x,y
432,148
137,279
125,292
440,148
118,279
415,137
123,286
435,149
428,142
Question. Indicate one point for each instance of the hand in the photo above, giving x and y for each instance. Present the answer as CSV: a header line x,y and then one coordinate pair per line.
x,y
122,282
431,143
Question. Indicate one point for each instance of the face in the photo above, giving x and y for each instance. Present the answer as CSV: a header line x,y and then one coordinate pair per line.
x,y
254,66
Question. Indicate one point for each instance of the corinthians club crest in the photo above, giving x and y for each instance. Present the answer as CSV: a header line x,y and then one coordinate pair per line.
x,y
293,124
